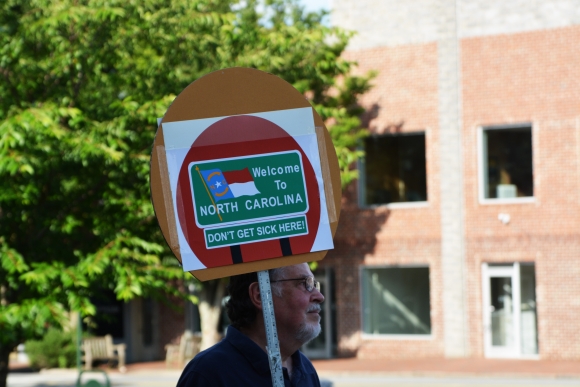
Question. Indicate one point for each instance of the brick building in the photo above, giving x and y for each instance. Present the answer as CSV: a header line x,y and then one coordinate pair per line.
x,y
462,236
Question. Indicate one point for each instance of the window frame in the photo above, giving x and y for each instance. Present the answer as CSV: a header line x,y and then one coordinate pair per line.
x,y
482,164
394,336
361,166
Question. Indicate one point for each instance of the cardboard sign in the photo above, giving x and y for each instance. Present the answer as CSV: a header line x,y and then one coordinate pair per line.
x,y
245,179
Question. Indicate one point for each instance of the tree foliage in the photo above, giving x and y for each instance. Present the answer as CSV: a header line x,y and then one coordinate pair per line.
x,y
81,85
56,349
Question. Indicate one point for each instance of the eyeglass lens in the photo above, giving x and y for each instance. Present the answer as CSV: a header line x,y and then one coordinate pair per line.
x,y
311,284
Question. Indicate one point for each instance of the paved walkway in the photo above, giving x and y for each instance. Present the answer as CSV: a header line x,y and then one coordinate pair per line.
x,y
355,373
415,367
434,367
457,367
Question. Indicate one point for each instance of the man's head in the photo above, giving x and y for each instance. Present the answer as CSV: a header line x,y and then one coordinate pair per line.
x,y
297,309
241,311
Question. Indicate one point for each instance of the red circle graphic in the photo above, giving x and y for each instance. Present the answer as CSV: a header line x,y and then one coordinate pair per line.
x,y
238,136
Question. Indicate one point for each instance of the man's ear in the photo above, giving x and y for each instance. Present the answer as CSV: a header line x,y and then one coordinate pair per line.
x,y
255,295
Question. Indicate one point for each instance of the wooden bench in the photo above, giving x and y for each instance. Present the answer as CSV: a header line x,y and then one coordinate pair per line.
x,y
189,346
102,348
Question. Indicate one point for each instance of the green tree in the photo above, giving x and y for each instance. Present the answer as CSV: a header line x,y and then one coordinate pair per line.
x,y
82,83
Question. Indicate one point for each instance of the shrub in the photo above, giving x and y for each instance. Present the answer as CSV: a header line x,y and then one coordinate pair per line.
x,y
55,349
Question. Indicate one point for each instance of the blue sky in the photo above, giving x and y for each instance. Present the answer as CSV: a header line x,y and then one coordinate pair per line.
x,y
315,5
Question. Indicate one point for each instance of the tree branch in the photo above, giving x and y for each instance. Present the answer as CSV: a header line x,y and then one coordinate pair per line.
x,y
3,298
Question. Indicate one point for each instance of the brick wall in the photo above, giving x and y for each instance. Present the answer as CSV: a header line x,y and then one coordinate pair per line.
x,y
404,99
528,77
172,323
524,77
391,23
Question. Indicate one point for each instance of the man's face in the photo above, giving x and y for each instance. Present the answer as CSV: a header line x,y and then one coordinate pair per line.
x,y
297,310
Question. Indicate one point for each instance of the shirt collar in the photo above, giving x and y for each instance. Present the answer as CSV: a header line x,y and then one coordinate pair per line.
x,y
298,362
256,355
250,350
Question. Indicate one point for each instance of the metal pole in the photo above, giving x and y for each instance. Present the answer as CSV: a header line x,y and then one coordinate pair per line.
x,y
79,341
273,346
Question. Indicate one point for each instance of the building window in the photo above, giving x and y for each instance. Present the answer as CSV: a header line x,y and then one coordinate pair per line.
x,y
394,169
507,162
396,301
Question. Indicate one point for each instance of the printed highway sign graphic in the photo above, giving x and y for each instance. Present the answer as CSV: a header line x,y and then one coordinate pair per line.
x,y
267,187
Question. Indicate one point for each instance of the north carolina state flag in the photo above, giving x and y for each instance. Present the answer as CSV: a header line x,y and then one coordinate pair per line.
x,y
241,182
230,184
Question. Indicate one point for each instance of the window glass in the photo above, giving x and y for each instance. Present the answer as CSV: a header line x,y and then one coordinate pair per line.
x,y
508,170
529,323
502,314
396,301
394,169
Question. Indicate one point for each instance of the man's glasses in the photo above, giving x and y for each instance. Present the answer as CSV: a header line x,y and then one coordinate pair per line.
x,y
309,283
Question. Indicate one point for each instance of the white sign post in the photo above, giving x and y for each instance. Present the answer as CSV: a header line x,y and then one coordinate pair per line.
x,y
273,347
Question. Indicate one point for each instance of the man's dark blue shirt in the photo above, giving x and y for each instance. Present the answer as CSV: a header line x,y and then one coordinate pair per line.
x,y
238,362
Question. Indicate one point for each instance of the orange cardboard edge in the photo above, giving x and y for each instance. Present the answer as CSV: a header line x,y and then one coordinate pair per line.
x,y
231,92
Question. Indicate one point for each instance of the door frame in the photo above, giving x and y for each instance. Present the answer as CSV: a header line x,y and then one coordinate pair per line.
x,y
511,270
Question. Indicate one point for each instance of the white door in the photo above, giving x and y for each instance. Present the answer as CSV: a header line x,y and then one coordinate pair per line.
x,y
509,321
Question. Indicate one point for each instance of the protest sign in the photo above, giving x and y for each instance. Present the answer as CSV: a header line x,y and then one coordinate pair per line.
x,y
244,176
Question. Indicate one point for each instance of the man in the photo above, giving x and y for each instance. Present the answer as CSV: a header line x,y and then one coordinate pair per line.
x,y
240,359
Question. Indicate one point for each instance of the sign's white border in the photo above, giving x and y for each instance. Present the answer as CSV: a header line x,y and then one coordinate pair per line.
x,y
298,123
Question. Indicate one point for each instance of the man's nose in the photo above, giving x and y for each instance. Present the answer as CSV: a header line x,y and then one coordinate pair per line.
x,y
317,296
